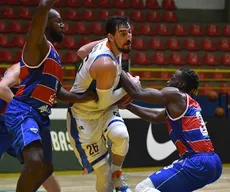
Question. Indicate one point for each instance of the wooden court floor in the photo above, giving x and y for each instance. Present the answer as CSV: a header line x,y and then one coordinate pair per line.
x,y
73,181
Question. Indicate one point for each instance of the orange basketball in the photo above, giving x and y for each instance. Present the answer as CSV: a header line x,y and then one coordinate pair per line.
x,y
124,100
212,95
219,112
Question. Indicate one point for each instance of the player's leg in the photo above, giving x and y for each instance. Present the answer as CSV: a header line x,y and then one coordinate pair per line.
x,y
173,178
27,140
51,184
203,169
118,135
22,123
32,175
215,165
47,161
91,150
146,186
104,181
184,175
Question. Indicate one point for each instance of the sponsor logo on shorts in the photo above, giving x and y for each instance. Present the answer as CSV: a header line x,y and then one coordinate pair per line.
x,y
81,128
34,130
44,108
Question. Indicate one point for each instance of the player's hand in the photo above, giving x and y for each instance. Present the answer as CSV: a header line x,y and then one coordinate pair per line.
x,y
135,80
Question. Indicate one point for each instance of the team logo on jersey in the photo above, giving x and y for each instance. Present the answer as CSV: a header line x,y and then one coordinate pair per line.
x,y
52,97
44,108
116,113
34,130
158,151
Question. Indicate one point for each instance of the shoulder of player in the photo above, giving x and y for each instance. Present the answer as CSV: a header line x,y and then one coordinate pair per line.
x,y
170,90
104,64
172,93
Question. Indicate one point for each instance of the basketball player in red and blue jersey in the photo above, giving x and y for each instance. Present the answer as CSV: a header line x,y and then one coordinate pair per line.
x,y
27,114
198,164
8,87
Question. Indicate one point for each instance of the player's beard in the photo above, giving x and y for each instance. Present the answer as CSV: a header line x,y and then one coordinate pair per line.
x,y
123,50
57,37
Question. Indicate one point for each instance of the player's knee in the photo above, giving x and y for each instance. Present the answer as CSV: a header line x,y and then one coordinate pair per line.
x,y
33,156
145,186
118,132
140,187
34,160
119,137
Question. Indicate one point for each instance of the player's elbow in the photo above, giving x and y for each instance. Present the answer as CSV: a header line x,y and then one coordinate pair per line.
x,y
81,53
3,88
155,119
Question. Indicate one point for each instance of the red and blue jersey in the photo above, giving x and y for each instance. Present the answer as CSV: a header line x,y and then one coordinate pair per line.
x,y
39,84
188,132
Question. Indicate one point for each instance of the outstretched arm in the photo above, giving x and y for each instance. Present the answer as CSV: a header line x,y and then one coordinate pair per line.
x,y
67,96
151,115
148,95
10,79
86,49
36,46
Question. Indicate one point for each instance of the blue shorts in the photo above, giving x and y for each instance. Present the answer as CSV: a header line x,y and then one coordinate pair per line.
x,y
26,125
188,174
6,144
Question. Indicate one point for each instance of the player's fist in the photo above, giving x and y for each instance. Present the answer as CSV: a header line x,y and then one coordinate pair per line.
x,y
135,80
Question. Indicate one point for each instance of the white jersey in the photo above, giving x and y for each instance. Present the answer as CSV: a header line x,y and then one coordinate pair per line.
x,y
84,81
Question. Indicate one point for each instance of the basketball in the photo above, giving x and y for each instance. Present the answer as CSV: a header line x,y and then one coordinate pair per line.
x,y
219,112
124,100
212,95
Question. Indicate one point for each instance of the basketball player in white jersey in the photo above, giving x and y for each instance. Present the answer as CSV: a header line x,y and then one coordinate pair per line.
x,y
90,125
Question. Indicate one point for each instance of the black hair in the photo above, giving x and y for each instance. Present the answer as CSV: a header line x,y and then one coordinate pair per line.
x,y
191,79
114,21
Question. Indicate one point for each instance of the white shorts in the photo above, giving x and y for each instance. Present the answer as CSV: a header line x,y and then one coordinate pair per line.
x,y
88,137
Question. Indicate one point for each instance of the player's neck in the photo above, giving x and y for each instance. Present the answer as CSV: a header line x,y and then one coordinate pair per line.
x,y
113,49
49,38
